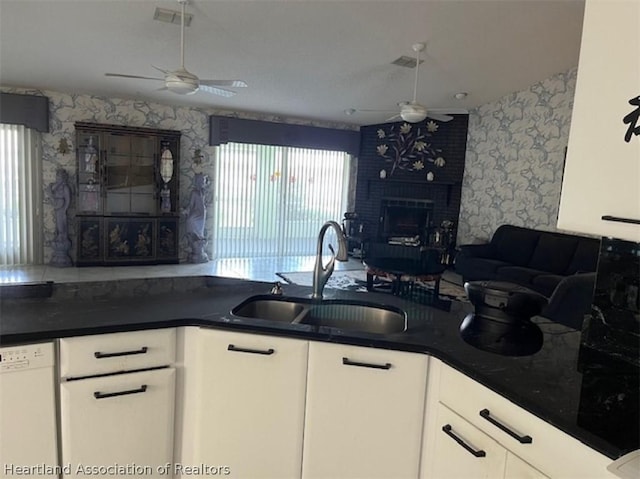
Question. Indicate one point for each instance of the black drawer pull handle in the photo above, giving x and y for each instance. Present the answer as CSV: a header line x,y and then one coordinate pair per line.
x,y
99,395
485,413
99,355
348,362
619,219
266,352
448,431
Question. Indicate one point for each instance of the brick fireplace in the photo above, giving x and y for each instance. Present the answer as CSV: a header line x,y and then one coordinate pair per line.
x,y
380,201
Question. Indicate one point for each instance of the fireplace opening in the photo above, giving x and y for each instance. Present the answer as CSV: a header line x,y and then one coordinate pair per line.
x,y
405,220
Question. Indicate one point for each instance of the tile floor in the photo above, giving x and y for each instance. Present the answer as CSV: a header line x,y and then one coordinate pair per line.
x,y
259,269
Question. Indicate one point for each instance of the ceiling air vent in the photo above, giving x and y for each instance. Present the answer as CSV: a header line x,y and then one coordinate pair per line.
x,y
171,16
407,62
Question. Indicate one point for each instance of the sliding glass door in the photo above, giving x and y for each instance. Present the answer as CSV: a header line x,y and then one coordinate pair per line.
x,y
272,201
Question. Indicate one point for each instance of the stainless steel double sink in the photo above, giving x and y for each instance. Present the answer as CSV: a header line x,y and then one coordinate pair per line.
x,y
341,314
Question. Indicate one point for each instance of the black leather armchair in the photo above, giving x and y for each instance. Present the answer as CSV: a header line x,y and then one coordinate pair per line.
x,y
571,300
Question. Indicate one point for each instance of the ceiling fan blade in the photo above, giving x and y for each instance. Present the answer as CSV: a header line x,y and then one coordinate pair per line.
x,y
439,116
375,111
161,70
137,77
231,83
217,91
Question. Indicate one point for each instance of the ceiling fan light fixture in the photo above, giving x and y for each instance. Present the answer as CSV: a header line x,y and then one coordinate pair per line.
x,y
413,113
181,89
413,117
181,85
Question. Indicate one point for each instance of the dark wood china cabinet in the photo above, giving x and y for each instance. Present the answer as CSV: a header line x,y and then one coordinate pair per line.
x,y
127,195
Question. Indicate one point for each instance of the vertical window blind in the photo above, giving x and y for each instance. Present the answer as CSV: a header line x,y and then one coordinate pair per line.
x,y
272,200
20,196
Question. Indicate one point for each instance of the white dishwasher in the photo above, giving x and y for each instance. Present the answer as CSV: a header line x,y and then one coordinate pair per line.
x,y
28,411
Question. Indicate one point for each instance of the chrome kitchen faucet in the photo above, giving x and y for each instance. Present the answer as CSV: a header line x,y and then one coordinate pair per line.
x,y
320,273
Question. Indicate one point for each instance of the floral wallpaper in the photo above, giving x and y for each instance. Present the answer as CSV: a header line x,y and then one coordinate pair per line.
x,y
196,156
515,158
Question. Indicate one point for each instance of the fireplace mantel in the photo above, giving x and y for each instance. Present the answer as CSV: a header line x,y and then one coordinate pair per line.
x,y
448,184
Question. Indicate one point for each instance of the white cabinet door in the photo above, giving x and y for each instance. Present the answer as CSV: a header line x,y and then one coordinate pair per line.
x,y
364,412
462,451
246,396
602,171
530,438
124,419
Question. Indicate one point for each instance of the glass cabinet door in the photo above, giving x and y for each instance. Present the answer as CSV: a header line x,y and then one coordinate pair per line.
x,y
89,165
143,184
130,175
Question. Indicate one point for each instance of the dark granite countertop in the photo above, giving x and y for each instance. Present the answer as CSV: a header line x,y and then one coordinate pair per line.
x,y
550,383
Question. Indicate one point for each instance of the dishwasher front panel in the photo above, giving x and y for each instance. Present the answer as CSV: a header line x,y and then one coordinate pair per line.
x,y
28,438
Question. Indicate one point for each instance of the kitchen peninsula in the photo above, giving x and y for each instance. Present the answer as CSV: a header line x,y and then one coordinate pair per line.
x,y
547,385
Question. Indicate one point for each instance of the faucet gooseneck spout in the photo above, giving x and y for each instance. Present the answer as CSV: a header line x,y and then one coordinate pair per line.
x,y
321,274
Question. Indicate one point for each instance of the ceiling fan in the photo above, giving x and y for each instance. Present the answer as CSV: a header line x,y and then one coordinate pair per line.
x,y
411,111
184,82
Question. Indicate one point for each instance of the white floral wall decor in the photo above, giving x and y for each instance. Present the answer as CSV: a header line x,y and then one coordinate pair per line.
x,y
408,146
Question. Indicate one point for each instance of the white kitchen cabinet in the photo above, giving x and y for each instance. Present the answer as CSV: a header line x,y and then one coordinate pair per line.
x,y
602,170
533,448
121,419
117,402
462,451
243,405
364,412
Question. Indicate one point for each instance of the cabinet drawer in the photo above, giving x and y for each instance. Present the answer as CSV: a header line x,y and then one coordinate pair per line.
x,y
462,451
116,352
120,419
537,442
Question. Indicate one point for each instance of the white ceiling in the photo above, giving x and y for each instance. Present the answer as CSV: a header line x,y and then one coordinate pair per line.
x,y
306,59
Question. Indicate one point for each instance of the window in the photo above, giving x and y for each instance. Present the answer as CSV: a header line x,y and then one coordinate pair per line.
x,y
272,201
20,196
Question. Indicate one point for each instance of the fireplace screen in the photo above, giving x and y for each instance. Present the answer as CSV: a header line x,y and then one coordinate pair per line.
x,y
405,219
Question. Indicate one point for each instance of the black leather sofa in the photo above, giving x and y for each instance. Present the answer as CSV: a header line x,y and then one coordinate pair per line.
x,y
538,260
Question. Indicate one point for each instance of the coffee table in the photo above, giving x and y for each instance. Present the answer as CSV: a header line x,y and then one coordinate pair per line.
x,y
403,273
